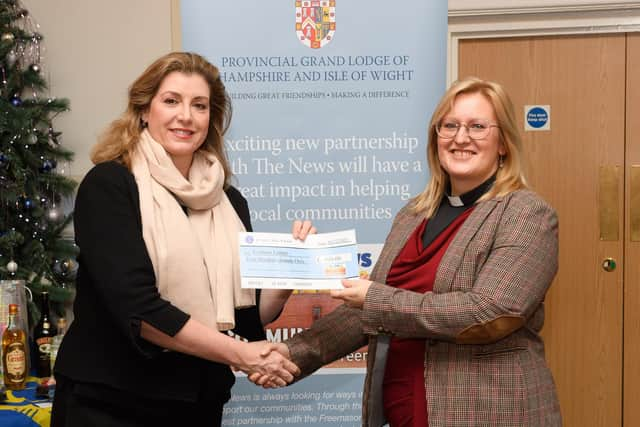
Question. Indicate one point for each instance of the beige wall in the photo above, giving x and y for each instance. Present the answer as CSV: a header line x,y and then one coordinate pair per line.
x,y
93,51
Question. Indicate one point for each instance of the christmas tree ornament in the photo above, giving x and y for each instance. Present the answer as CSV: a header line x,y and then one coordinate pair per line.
x,y
11,58
33,138
66,269
27,204
4,160
12,267
7,37
54,137
47,166
35,68
53,214
65,266
16,101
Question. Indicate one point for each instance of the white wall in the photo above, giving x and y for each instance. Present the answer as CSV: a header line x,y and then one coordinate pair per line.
x,y
93,51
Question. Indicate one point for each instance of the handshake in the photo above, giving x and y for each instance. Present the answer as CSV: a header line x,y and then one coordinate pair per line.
x,y
268,364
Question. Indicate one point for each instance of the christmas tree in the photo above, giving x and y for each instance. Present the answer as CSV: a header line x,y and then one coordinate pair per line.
x,y
32,186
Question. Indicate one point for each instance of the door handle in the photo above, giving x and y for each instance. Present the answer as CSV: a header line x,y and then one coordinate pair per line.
x,y
608,202
634,203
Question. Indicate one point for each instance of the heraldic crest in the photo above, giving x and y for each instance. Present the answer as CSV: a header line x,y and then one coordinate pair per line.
x,y
315,22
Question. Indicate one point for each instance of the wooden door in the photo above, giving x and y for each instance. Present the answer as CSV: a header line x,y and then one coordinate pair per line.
x,y
582,78
631,377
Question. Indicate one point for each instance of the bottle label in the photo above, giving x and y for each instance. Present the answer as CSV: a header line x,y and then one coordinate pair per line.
x,y
16,362
44,345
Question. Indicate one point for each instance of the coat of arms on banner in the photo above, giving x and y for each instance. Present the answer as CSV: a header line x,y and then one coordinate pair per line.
x,y
315,22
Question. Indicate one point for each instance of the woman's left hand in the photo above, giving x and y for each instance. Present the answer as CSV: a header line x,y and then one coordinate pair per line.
x,y
354,292
300,229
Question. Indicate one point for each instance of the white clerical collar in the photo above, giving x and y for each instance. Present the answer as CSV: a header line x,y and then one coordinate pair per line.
x,y
470,197
455,201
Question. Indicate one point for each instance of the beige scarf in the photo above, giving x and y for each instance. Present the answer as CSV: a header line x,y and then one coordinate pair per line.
x,y
195,257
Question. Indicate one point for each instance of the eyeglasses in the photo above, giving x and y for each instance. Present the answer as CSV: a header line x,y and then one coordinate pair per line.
x,y
476,129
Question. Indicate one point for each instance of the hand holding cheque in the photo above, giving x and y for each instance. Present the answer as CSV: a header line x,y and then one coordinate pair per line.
x,y
354,292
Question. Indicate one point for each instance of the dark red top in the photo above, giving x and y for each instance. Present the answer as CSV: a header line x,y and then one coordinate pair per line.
x,y
414,269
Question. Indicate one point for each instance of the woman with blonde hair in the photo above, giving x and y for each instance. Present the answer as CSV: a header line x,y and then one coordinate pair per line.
x,y
158,285
454,308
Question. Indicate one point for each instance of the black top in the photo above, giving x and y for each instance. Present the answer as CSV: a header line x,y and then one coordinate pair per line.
x,y
447,212
116,290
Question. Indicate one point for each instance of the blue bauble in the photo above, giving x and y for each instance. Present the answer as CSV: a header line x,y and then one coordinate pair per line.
x,y
47,165
16,101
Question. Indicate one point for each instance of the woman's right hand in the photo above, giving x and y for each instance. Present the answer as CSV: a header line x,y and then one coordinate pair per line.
x,y
269,363
265,380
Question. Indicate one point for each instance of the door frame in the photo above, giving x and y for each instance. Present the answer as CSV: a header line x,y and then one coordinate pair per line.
x,y
499,18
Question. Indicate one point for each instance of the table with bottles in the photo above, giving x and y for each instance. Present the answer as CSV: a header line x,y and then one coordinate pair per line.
x,y
26,407
25,401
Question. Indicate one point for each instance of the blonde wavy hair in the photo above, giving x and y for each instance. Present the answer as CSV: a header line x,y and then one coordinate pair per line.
x,y
510,176
119,140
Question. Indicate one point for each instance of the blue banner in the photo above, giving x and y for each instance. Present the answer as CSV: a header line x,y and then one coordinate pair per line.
x,y
327,399
331,102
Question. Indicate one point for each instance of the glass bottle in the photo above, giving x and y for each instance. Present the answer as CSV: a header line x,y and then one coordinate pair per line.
x,y
55,344
43,335
14,354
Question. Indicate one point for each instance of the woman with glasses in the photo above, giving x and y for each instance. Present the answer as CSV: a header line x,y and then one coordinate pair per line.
x,y
454,308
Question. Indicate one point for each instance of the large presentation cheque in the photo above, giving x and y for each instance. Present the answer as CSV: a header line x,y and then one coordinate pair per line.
x,y
278,261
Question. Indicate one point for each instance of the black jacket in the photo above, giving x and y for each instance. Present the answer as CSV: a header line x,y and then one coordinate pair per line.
x,y
116,290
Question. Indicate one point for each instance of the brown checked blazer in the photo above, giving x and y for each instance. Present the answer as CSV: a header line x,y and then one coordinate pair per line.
x,y
484,358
